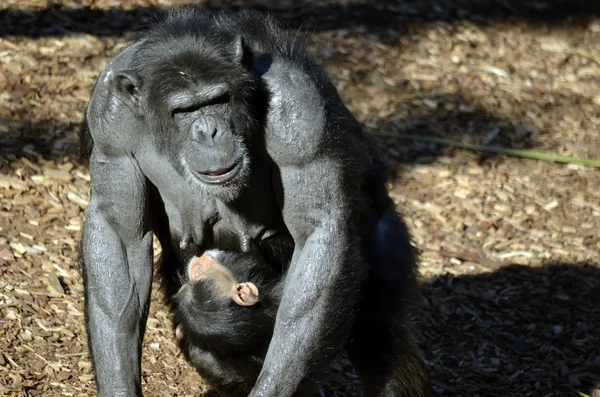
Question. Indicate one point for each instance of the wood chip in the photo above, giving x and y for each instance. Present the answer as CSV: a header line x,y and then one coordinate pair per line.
x,y
60,175
6,254
7,182
516,74
54,283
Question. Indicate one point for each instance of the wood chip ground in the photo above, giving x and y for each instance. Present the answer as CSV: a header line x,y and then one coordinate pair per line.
x,y
509,246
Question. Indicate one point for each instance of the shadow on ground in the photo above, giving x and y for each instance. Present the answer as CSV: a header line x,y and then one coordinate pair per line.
x,y
26,134
374,16
538,327
525,332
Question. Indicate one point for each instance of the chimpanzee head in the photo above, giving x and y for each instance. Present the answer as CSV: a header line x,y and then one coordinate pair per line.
x,y
193,84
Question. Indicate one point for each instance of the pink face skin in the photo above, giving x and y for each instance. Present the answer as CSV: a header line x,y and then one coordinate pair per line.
x,y
207,267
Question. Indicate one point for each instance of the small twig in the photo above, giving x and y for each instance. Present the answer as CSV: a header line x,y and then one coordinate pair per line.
x,y
587,54
491,136
580,394
530,154
470,256
11,361
493,70
512,254
83,354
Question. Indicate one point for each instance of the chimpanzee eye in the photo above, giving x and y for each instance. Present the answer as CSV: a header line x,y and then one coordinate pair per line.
x,y
222,99
187,109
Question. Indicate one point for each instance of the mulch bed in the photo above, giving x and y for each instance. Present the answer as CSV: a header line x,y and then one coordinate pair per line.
x,y
509,246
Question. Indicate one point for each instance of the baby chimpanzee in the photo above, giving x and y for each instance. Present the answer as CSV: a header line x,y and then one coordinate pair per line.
x,y
224,327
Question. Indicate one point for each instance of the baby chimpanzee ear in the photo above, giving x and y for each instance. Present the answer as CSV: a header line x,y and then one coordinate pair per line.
x,y
245,294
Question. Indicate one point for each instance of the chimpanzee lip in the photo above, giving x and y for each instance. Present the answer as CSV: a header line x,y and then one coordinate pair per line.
x,y
221,175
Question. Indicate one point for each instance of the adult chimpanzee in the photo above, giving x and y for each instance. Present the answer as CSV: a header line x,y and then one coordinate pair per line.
x,y
224,326
222,134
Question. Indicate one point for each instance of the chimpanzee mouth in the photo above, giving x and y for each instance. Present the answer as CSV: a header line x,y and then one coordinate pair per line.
x,y
221,175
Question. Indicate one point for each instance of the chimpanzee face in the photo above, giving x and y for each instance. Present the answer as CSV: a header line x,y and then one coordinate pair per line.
x,y
199,108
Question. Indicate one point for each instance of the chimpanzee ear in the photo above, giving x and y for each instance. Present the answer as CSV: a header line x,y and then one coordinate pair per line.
x,y
242,54
127,85
238,48
245,294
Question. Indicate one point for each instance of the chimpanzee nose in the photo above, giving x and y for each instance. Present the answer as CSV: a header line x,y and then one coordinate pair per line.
x,y
204,127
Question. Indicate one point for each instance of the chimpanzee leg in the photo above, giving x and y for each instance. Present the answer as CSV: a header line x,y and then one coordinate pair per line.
x,y
309,388
231,379
383,347
386,358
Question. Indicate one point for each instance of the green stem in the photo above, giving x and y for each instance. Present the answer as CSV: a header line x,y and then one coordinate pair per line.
x,y
530,154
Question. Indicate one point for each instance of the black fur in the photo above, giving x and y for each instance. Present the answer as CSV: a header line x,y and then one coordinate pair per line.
x,y
217,330
222,133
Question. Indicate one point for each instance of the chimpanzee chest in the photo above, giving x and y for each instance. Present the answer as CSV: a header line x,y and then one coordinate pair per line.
x,y
248,227
205,222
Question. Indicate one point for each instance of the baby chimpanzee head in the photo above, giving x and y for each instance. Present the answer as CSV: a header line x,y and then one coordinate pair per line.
x,y
208,268
210,288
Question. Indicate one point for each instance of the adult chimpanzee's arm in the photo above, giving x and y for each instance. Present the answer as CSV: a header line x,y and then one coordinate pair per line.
x,y
316,144
117,243
314,141
316,311
117,264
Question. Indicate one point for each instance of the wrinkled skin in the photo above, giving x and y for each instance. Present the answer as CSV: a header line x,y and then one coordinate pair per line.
x,y
221,134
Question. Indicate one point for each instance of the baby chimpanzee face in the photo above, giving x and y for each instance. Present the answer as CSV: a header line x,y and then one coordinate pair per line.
x,y
209,281
207,267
